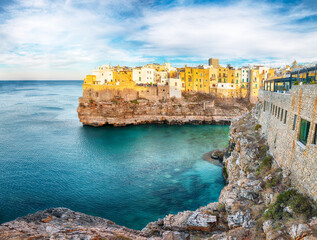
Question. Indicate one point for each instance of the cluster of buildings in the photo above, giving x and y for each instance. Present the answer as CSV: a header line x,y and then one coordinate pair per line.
x,y
212,78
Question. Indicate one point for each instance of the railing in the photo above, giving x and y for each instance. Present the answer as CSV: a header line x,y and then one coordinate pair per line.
x,y
279,85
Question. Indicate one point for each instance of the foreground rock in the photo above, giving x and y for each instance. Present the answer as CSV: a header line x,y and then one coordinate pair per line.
x,y
62,223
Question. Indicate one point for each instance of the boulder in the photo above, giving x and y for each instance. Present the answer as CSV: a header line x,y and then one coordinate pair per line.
x,y
202,222
299,230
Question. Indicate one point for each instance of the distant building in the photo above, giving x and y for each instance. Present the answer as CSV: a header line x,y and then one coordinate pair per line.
x,y
213,62
104,74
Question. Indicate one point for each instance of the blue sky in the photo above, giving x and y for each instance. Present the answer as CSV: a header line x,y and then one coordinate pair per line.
x,y
66,39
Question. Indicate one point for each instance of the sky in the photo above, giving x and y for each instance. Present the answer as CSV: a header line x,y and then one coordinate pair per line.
x,y
66,39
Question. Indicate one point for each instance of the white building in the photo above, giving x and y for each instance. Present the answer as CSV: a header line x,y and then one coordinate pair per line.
x,y
175,85
161,78
245,75
144,75
168,67
263,71
104,74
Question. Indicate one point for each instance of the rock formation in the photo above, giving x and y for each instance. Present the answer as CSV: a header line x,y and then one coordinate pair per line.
x,y
192,109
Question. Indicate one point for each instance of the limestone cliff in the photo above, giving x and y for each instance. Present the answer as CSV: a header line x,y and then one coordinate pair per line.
x,y
258,203
192,109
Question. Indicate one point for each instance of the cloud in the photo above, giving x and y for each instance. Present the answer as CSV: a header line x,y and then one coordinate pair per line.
x,y
50,36
242,30
67,38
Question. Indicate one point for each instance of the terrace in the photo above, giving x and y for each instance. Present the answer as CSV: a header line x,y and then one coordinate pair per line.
x,y
305,75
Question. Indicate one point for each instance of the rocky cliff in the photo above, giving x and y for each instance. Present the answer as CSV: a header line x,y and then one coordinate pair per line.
x,y
191,109
257,203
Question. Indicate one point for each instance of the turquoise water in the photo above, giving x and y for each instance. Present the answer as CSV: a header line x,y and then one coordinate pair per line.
x,y
130,175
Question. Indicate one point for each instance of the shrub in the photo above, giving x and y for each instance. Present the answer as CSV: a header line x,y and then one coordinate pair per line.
x,y
91,101
224,172
277,179
304,82
221,207
312,82
257,127
299,204
266,164
114,101
263,150
135,101
296,83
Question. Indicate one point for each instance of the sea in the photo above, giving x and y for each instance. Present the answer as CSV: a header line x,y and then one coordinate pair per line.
x,y
130,175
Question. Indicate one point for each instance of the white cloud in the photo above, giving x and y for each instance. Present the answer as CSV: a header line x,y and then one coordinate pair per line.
x,y
243,30
46,36
45,39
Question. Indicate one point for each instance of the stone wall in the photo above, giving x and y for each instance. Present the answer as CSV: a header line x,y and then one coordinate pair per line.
x,y
277,117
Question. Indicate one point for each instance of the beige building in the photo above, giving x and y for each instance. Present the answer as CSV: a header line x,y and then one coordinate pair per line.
x,y
104,74
161,77
144,75
213,62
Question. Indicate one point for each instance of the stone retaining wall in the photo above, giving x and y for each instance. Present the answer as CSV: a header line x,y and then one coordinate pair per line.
x,y
277,117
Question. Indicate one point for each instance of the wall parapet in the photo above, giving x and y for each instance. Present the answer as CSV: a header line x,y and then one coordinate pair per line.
x,y
289,122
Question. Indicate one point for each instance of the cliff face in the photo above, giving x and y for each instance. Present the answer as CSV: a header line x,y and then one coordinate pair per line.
x,y
195,109
257,203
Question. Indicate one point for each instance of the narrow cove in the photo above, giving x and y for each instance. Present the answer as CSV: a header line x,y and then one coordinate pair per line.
x,y
130,175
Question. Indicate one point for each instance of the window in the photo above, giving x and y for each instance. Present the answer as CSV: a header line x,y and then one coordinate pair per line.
x,y
237,81
304,130
285,116
247,79
315,135
282,114
275,111
294,124
278,113
219,80
264,105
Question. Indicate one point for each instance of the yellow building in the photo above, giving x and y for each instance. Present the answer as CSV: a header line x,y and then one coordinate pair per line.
x,y
90,79
181,72
231,75
196,79
222,74
254,85
213,77
123,78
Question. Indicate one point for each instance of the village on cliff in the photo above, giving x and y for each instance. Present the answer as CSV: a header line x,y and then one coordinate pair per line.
x,y
165,81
